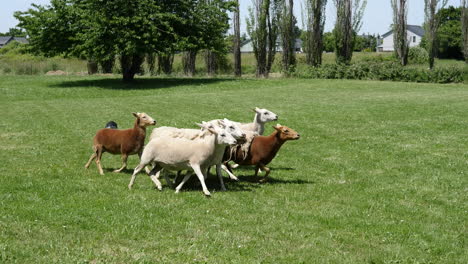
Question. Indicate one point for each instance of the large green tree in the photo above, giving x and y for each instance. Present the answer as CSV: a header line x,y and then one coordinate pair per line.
x,y
100,30
449,41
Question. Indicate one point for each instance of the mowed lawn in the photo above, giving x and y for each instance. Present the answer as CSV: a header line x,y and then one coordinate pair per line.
x,y
378,176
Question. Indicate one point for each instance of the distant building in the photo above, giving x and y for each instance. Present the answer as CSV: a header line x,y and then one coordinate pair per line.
x,y
4,40
414,33
247,46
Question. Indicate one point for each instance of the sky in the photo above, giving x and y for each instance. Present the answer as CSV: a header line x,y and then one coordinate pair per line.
x,y
377,17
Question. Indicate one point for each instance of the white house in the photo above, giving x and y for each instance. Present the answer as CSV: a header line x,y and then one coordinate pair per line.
x,y
414,33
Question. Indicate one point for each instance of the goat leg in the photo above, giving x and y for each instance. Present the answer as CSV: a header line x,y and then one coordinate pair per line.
x,y
124,163
267,171
93,156
98,159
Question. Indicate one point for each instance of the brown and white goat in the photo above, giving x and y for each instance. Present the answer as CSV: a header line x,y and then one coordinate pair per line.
x,y
121,141
262,150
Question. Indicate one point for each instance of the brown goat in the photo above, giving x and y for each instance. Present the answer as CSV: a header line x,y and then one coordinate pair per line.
x,y
263,149
117,141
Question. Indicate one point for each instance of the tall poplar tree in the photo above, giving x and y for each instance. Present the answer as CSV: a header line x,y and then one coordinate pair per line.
x,y
400,38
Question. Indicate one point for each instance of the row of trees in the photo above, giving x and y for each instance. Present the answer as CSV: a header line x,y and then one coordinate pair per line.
x,y
153,30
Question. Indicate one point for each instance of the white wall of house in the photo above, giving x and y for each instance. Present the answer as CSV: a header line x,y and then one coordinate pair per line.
x,y
387,44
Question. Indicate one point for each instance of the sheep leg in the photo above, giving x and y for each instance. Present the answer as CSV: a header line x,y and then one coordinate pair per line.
x,y
267,171
148,170
93,156
184,180
207,172
124,163
154,175
135,172
201,178
228,170
168,181
177,176
220,177
98,159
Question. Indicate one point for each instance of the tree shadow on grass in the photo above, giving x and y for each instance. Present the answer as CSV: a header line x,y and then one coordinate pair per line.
x,y
138,84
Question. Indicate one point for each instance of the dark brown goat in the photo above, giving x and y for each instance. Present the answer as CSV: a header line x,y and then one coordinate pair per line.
x,y
263,149
117,141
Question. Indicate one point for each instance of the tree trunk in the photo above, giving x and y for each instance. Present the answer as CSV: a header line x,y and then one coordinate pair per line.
x,y
188,61
464,23
131,65
211,63
343,32
399,28
431,30
287,37
165,62
107,65
92,67
262,35
315,26
237,44
151,60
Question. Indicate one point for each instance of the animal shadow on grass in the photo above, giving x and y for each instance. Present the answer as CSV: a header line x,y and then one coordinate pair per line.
x,y
246,174
138,84
124,171
213,184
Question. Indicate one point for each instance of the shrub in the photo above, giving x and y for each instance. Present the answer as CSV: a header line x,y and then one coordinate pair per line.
x,y
384,71
6,70
418,55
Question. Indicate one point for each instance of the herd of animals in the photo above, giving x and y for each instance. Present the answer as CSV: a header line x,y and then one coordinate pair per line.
x,y
216,143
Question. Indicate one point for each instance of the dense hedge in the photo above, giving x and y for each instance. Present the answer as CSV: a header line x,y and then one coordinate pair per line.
x,y
384,71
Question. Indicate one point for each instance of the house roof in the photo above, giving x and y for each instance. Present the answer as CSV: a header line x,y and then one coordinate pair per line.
x,y
21,40
418,30
4,40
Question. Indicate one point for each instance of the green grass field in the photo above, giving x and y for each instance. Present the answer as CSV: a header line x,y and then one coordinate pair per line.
x,y
378,176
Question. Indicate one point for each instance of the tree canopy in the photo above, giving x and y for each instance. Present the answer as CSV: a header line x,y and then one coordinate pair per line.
x,y
99,30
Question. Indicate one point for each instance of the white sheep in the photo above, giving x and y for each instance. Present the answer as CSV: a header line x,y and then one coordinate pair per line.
x,y
227,125
181,153
262,116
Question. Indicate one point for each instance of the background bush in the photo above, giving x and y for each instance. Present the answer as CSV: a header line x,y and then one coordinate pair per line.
x,y
384,71
418,55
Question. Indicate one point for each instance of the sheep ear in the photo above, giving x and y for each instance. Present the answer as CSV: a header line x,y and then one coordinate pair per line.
x,y
200,125
135,114
213,131
254,109
221,123
277,127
